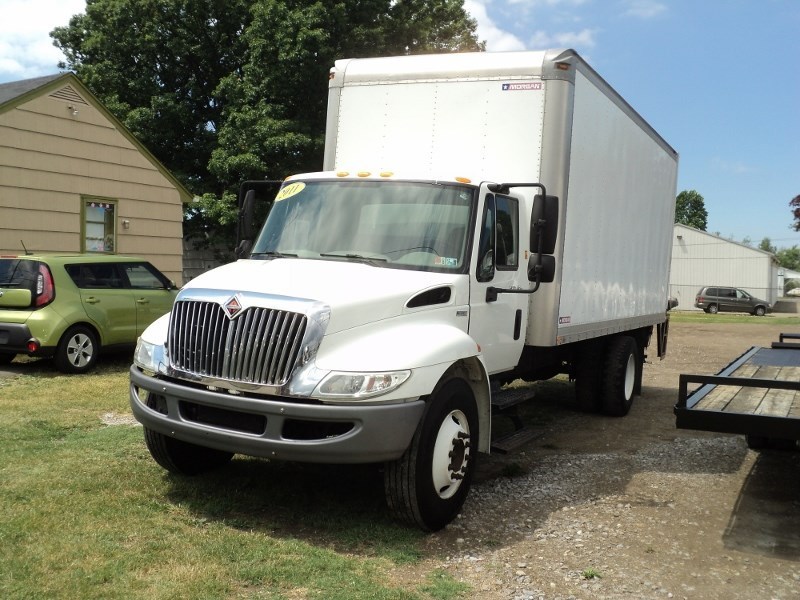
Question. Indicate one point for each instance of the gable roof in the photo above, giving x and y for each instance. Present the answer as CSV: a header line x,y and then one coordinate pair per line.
x,y
14,89
723,240
15,93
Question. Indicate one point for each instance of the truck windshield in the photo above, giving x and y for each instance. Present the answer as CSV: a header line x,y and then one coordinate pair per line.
x,y
421,226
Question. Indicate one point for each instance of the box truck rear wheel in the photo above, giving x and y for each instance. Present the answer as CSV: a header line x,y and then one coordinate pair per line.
x,y
427,486
619,381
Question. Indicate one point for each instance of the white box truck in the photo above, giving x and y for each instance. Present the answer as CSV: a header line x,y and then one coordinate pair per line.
x,y
481,218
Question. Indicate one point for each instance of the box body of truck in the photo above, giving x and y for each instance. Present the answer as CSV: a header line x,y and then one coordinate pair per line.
x,y
480,218
527,117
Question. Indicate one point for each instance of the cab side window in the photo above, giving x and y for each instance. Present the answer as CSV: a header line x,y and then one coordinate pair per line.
x,y
498,247
507,233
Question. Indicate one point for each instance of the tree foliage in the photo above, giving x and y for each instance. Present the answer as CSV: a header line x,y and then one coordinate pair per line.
x,y
766,246
789,258
690,210
226,91
795,204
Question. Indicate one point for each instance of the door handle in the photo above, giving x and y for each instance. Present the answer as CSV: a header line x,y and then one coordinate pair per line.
x,y
142,301
92,300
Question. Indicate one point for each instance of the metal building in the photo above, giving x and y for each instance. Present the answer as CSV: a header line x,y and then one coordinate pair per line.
x,y
700,258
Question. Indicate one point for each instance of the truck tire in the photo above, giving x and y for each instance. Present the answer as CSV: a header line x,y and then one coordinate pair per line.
x,y
712,309
77,350
619,380
760,311
183,458
427,486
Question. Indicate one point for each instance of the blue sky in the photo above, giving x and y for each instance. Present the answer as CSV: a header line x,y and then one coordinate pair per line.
x,y
719,79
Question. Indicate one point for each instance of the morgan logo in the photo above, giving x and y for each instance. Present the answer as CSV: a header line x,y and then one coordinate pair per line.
x,y
232,307
519,87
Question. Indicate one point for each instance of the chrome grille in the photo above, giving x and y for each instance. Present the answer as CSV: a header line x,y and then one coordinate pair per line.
x,y
260,345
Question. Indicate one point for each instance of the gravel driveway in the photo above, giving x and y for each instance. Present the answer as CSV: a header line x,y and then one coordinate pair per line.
x,y
598,507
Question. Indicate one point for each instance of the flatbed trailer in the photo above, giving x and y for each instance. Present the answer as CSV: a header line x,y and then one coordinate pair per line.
x,y
757,395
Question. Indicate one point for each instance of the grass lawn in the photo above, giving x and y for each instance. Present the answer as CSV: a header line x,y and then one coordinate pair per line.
x,y
86,513
701,317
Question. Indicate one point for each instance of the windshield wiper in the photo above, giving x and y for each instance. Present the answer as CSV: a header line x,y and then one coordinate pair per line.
x,y
356,257
273,254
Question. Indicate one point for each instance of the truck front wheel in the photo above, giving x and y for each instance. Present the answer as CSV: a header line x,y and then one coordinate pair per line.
x,y
183,458
620,376
427,486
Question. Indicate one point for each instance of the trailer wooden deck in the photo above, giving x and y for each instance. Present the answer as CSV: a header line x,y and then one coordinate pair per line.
x,y
758,394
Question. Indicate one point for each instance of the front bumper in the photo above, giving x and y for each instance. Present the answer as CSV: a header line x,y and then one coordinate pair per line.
x,y
277,429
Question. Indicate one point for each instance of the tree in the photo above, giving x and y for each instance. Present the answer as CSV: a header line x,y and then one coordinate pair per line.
x,y
225,91
766,246
795,204
275,123
690,210
789,258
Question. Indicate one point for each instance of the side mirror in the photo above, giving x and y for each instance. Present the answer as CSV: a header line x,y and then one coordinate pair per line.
x,y
541,268
544,224
246,209
245,225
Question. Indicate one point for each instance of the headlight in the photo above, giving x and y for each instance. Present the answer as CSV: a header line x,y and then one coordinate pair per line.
x,y
149,357
360,385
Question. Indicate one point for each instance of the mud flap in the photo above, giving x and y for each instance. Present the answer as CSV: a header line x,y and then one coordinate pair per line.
x,y
662,332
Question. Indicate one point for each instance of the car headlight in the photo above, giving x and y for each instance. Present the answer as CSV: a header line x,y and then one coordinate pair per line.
x,y
360,385
149,357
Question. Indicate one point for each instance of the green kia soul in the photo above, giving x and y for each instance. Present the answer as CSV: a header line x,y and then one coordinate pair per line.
x,y
71,306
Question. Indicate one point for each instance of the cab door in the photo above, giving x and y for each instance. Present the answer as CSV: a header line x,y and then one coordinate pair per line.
x,y
497,321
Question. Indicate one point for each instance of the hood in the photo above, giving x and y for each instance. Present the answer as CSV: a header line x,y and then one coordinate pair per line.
x,y
356,293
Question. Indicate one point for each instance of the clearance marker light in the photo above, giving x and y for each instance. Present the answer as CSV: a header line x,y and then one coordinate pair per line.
x,y
342,174
364,173
463,180
386,173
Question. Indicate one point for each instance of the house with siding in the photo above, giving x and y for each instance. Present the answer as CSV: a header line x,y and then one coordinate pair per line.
x,y
700,258
73,178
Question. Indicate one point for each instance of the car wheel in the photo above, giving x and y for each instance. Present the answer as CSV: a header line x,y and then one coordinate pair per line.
x,y
427,486
760,311
712,308
77,350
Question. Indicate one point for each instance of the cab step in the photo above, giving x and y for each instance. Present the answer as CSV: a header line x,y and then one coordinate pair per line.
x,y
515,440
504,399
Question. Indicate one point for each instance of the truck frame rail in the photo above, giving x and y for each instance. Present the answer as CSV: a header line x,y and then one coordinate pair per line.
x,y
758,394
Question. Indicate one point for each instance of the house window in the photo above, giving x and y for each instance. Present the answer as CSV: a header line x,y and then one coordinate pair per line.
x,y
98,226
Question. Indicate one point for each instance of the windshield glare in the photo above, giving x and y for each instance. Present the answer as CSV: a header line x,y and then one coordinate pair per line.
x,y
409,225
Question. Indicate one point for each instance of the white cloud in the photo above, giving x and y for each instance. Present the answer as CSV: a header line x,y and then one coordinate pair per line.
x,y
566,39
497,40
26,49
644,9
734,167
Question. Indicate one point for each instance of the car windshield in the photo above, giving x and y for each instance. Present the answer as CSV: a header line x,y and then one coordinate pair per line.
x,y
390,224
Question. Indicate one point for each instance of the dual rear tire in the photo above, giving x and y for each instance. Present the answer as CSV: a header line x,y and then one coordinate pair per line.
x,y
608,375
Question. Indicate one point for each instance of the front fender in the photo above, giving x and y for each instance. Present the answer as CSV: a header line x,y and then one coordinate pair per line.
x,y
394,346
